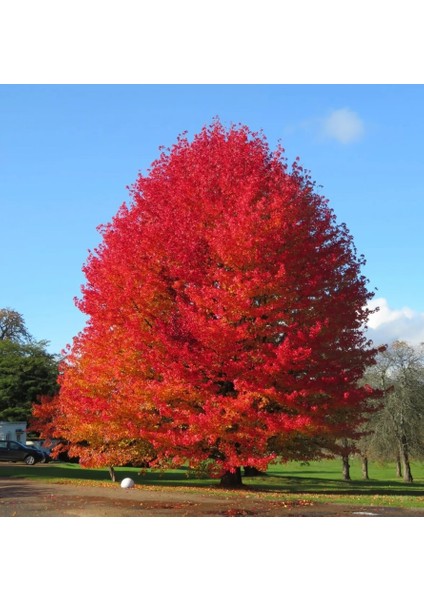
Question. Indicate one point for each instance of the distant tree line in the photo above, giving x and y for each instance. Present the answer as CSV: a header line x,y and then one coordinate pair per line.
x,y
394,430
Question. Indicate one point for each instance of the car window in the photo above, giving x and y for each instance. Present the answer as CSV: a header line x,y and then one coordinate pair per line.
x,y
3,445
14,446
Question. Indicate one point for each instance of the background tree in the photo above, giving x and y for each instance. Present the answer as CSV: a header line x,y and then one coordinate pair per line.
x,y
27,370
226,309
363,446
398,428
12,327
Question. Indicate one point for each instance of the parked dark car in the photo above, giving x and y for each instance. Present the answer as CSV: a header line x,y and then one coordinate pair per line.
x,y
38,445
16,452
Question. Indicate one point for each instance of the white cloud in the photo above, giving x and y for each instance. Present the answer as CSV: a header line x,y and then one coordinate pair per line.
x,y
343,125
389,324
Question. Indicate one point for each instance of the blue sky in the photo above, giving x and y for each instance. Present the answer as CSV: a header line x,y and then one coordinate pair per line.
x,y
67,153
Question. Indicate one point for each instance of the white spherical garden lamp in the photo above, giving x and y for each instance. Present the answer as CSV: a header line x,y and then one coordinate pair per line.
x,y
127,483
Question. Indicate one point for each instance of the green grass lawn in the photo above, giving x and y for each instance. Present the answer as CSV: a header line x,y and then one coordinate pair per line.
x,y
322,481
319,481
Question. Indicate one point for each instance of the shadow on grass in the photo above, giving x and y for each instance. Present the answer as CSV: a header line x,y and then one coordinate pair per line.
x,y
313,485
51,471
71,471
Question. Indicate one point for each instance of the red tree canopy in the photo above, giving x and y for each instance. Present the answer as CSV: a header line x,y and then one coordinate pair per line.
x,y
226,310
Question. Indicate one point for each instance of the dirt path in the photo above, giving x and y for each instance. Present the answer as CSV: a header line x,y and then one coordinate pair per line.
x,y
24,498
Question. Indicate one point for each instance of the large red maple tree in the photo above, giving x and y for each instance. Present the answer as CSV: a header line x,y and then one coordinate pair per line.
x,y
226,312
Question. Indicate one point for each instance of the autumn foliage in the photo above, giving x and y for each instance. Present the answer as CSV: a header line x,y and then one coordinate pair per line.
x,y
225,309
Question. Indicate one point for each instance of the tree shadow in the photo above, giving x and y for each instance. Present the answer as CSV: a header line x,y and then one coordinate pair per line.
x,y
314,485
273,482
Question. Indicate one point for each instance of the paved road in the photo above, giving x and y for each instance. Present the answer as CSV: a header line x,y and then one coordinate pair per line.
x,y
25,498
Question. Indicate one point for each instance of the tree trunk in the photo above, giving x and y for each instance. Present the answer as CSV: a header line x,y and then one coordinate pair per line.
x,y
252,472
112,473
346,467
404,457
232,480
364,465
398,466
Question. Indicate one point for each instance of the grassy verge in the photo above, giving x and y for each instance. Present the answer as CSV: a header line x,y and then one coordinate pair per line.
x,y
316,482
